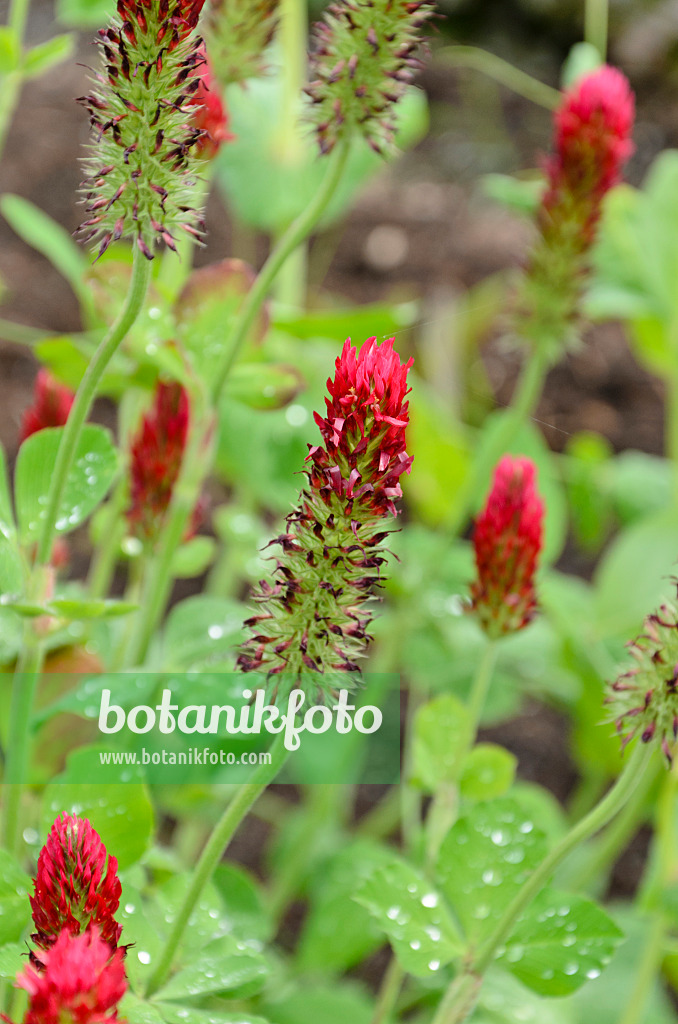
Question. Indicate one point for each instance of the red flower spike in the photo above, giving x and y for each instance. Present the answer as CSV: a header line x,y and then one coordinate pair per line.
x,y
313,616
507,539
210,116
592,139
81,983
592,142
155,458
50,406
76,886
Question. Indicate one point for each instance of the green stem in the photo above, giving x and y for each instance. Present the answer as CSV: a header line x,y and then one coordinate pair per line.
x,y
481,683
602,813
605,851
657,880
22,334
221,836
107,552
141,272
16,767
650,965
456,1006
503,72
596,19
523,404
31,659
295,234
389,990
290,284
18,16
12,83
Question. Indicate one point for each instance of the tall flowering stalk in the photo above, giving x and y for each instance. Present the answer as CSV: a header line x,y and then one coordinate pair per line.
x,y
592,141
82,982
156,453
314,615
76,887
50,407
507,540
364,58
140,172
643,700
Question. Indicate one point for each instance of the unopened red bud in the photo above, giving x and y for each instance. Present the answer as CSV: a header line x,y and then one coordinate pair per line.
x,y
507,540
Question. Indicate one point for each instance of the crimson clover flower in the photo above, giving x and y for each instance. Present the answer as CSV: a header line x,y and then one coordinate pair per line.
x,y
209,114
592,141
81,983
156,453
140,170
50,407
364,58
507,540
76,886
644,699
313,615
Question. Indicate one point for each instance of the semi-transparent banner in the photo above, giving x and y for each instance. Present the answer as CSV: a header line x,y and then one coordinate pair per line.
x,y
212,728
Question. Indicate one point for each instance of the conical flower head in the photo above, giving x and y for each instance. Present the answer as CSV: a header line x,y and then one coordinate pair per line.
x,y
50,407
238,33
140,172
507,540
644,700
314,616
156,453
363,60
592,140
76,886
82,982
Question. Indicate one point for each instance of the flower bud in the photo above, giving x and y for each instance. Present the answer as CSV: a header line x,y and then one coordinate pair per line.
x,y
507,539
363,61
82,982
140,180
313,618
50,406
644,699
76,886
156,454
592,140
238,34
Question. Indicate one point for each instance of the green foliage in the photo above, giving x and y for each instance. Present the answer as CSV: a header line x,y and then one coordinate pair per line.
x,y
14,909
413,915
87,483
561,942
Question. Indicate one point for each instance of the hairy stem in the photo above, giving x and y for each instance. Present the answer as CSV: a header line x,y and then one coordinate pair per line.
x,y
389,990
456,1004
31,659
141,272
503,72
596,18
300,229
223,832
